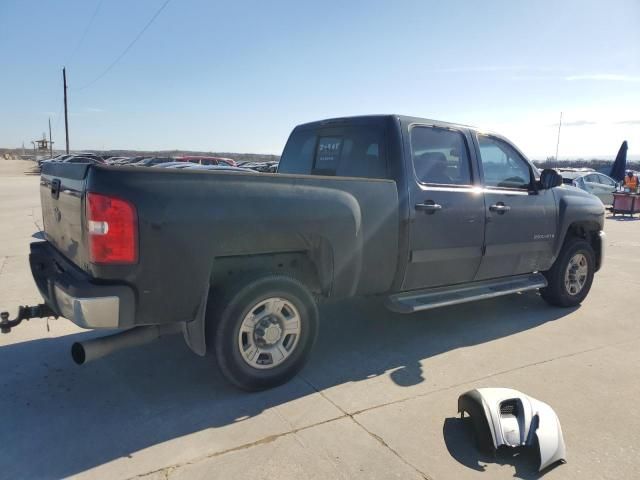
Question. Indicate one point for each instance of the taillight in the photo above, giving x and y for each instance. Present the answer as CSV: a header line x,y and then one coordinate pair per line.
x,y
112,226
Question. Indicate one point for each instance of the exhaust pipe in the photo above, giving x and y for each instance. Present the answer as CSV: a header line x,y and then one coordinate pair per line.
x,y
90,350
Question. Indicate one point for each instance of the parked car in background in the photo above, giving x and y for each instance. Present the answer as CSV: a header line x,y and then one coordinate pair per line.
x,y
224,168
56,158
170,165
74,158
118,160
207,160
264,167
196,166
151,161
598,184
93,156
83,159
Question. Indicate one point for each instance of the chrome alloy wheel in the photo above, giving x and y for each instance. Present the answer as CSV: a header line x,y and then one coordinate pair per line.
x,y
269,333
576,274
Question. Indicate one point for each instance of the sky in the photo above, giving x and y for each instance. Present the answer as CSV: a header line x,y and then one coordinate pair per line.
x,y
237,76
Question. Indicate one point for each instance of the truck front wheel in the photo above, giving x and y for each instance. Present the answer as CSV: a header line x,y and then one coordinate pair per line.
x,y
570,277
262,330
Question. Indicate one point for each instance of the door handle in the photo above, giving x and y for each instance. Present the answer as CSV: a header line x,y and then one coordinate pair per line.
x,y
500,208
429,206
55,188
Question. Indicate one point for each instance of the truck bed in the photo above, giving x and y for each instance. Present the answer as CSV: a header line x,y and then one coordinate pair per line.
x,y
189,220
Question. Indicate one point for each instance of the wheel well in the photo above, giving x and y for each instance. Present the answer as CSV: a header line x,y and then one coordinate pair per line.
x,y
295,264
589,231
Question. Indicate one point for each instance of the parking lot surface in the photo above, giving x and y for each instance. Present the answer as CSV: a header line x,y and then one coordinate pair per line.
x,y
377,400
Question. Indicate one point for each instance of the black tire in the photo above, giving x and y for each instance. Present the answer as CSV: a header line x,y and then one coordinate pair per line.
x,y
556,293
227,310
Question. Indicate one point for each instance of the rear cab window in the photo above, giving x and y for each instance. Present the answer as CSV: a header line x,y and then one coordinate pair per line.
x,y
347,151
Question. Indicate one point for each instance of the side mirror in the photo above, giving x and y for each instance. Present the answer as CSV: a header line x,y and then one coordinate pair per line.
x,y
549,178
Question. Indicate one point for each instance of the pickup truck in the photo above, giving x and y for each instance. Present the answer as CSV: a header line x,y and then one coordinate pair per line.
x,y
421,212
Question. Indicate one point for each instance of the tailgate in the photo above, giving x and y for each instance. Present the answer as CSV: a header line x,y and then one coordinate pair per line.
x,y
62,187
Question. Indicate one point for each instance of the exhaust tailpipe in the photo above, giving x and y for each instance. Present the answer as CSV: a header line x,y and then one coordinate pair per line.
x,y
90,350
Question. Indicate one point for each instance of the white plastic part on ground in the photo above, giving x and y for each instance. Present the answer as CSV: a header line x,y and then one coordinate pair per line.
x,y
515,419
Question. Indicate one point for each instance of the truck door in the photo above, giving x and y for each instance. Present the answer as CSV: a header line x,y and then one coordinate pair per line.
x,y
520,222
446,220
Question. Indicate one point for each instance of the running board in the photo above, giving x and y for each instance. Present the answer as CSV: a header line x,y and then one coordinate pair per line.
x,y
417,300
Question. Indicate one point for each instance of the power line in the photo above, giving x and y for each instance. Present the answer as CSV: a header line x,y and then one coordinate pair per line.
x,y
124,52
84,34
73,53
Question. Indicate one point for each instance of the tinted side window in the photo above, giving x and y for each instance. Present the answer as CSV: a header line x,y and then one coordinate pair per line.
x,y
363,154
348,152
502,165
297,156
440,156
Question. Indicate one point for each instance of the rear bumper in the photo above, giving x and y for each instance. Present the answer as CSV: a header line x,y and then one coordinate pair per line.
x,y
73,294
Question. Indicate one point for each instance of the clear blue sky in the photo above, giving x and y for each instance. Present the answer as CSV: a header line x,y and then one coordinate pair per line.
x,y
238,75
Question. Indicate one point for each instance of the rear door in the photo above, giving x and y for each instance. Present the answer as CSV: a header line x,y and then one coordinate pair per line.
x,y
446,219
520,222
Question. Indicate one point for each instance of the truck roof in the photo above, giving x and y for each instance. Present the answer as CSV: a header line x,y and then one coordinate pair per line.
x,y
356,119
404,119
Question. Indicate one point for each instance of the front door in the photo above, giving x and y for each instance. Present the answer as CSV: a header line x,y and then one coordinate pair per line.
x,y
447,210
520,222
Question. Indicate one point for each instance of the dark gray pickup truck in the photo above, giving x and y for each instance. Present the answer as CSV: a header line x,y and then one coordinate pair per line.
x,y
421,212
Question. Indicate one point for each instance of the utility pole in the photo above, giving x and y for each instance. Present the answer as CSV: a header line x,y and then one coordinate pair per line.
x,y
66,118
50,141
558,142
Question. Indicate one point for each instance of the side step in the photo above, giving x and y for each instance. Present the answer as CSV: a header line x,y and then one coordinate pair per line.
x,y
417,300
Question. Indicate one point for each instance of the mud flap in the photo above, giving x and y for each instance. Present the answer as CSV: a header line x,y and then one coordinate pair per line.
x,y
193,331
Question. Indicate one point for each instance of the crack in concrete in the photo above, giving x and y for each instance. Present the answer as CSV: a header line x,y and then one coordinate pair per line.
x,y
371,434
387,446
4,262
166,471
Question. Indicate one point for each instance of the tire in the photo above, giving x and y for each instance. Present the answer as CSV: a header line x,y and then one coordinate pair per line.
x,y
275,301
575,252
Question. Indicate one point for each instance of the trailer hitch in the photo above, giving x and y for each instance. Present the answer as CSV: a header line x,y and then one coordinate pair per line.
x,y
25,313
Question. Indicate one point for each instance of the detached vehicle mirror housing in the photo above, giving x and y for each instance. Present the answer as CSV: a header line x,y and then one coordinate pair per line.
x,y
506,417
549,178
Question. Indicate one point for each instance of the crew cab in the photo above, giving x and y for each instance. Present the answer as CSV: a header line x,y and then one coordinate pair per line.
x,y
422,212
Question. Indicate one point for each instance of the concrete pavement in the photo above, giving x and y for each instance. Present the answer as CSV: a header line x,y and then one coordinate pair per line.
x,y
377,400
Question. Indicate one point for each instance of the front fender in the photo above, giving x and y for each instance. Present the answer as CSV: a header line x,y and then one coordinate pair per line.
x,y
577,207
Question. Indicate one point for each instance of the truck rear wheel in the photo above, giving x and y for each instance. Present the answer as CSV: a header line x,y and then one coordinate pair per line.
x,y
570,277
262,330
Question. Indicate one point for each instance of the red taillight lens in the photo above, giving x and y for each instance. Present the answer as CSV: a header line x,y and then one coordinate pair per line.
x,y
112,226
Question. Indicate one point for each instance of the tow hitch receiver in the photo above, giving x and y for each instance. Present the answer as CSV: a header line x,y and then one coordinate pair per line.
x,y
25,313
